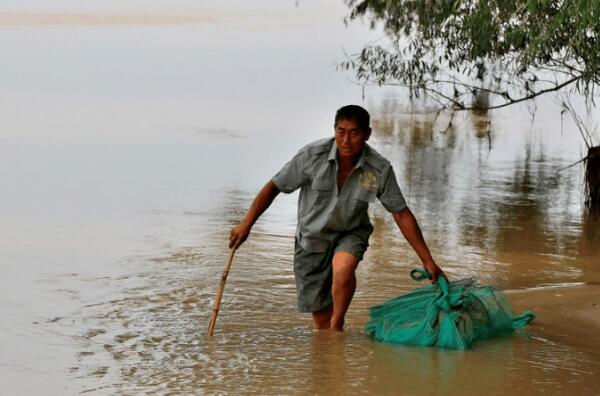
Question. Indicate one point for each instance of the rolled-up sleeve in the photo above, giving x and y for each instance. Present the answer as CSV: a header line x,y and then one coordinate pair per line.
x,y
293,174
389,192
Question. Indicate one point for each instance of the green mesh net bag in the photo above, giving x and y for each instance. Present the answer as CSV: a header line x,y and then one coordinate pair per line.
x,y
449,315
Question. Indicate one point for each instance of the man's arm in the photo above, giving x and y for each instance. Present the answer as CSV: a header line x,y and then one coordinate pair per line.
x,y
410,229
263,200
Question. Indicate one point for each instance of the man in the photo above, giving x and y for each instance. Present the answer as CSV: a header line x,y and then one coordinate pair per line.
x,y
338,178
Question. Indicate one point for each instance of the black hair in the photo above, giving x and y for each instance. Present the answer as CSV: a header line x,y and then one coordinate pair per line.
x,y
353,112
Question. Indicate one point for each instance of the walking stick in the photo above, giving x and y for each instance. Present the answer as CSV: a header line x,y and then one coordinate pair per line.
x,y
215,310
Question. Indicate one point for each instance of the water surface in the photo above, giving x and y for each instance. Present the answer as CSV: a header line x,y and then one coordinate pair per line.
x,y
128,152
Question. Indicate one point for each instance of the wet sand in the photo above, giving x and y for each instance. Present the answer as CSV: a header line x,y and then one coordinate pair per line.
x,y
568,314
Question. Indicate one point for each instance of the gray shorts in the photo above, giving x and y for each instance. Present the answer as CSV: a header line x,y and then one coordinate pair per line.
x,y
313,271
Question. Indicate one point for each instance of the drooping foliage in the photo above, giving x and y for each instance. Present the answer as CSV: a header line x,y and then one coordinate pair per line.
x,y
487,54
454,49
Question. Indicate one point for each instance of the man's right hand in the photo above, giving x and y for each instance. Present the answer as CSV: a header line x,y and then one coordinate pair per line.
x,y
238,235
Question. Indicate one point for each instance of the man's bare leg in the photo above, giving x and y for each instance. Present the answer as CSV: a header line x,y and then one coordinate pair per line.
x,y
322,318
344,285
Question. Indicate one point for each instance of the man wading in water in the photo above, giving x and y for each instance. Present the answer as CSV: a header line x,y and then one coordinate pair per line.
x,y
337,177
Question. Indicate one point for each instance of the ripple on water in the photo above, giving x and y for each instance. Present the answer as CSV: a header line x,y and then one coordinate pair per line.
x,y
146,335
263,346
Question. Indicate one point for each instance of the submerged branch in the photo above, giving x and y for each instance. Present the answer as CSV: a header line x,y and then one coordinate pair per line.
x,y
586,158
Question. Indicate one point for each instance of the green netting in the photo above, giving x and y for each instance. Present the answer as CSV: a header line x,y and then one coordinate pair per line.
x,y
449,315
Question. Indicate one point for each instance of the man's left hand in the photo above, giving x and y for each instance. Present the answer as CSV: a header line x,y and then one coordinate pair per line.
x,y
435,271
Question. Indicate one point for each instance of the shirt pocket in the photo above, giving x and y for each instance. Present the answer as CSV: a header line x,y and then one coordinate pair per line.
x,y
365,195
323,189
358,205
323,185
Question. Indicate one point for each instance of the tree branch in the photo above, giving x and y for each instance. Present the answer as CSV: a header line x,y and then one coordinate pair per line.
x,y
525,98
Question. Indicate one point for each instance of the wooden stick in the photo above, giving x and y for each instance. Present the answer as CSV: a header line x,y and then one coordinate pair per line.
x,y
217,304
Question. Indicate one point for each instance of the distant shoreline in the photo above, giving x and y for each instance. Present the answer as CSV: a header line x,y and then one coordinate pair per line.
x,y
24,19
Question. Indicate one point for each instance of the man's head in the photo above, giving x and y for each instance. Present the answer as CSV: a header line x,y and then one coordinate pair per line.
x,y
352,130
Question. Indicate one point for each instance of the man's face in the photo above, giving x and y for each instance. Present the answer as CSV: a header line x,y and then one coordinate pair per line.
x,y
350,139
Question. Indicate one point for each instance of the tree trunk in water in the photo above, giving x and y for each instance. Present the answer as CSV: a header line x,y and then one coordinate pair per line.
x,y
592,178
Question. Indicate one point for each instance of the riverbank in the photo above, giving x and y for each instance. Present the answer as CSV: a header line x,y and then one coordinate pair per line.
x,y
568,314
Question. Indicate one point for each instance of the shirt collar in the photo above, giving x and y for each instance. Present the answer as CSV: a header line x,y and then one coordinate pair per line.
x,y
332,151
361,160
333,155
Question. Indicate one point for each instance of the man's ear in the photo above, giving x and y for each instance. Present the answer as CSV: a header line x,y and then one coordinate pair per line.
x,y
368,133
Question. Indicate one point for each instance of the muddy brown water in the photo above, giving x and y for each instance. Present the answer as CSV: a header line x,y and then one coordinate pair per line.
x,y
129,152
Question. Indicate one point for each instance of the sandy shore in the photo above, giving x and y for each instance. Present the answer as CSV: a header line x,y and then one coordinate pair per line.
x,y
569,314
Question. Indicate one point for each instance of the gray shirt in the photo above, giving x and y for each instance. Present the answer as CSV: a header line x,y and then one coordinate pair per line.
x,y
323,211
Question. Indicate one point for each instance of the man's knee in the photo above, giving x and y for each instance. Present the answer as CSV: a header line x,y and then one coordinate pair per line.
x,y
344,264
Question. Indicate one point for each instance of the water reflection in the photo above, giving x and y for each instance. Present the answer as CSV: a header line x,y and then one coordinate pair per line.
x,y
488,199
590,232
589,244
